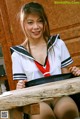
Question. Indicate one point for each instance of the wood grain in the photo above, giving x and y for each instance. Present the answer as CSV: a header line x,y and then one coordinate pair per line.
x,y
35,94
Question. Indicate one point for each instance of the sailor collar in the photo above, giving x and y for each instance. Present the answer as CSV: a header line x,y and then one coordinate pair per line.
x,y
21,50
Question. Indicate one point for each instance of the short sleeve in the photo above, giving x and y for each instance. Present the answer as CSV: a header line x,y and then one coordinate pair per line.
x,y
17,69
65,55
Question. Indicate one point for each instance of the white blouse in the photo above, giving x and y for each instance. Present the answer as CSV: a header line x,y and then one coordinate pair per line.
x,y
23,65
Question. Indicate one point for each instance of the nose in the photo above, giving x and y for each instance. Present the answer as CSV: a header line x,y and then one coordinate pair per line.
x,y
36,26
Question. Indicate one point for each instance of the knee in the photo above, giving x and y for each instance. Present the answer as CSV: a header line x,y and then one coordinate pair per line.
x,y
66,108
45,112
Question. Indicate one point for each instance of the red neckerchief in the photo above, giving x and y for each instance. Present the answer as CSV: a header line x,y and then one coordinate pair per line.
x,y
45,71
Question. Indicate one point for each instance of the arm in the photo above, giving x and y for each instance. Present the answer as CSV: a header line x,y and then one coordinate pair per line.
x,y
66,59
65,70
18,72
75,70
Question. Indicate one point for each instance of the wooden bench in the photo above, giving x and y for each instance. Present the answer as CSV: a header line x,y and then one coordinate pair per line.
x,y
27,100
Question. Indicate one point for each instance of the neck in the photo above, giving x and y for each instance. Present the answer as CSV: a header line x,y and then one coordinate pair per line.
x,y
36,42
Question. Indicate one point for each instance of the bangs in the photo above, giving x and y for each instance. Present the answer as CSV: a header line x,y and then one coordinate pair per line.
x,y
33,5
34,11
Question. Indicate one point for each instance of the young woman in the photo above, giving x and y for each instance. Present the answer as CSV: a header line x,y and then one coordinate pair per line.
x,y
42,55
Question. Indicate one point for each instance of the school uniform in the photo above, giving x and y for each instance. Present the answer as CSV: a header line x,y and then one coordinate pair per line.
x,y
25,66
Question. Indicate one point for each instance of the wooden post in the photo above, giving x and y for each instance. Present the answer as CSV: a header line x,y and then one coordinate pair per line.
x,y
31,109
15,114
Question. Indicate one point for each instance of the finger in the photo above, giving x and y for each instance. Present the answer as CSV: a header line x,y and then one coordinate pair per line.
x,y
20,86
78,73
72,68
25,81
21,82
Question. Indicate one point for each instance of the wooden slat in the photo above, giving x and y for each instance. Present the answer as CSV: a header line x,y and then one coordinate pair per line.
x,y
76,60
13,9
3,78
63,16
73,46
68,32
32,109
15,114
39,93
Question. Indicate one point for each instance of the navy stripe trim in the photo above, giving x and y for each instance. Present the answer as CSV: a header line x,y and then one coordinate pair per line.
x,y
19,77
52,40
66,62
21,50
19,74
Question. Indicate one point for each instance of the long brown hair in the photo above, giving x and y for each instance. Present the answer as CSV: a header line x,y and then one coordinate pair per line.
x,y
38,9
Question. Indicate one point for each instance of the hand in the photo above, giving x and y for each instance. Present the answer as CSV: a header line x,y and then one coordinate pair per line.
x,y
21,84
75,70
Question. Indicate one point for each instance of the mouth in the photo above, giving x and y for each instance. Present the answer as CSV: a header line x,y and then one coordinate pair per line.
x,y
36,32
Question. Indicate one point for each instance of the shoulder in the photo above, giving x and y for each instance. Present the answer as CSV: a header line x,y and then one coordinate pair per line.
x,y
16,48
15,51
55,41
60,42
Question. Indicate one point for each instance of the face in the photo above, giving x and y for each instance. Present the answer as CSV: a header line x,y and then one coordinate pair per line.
x,y
34,26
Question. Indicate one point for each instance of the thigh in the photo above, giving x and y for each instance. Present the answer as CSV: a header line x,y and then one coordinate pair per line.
x,y
65,105
45,112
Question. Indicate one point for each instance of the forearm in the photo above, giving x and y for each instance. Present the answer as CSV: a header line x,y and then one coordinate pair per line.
x,y
65,70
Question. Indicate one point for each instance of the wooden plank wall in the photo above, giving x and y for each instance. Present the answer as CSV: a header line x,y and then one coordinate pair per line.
x,y
63,20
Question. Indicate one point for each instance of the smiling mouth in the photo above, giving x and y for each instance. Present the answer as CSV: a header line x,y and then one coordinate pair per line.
x,y
36,33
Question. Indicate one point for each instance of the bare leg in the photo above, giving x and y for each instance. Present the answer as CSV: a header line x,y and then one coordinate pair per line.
x,y
45,112
66,108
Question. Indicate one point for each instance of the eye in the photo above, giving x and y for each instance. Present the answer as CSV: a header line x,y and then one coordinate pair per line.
x,y
30,22
40,20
